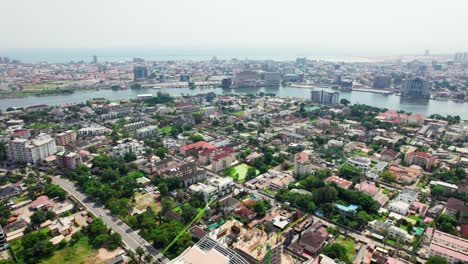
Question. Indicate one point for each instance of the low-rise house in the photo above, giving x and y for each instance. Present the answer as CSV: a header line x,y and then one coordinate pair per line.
x,y
389,155
62,226
343,183
360,162
10,191
405,175
310,242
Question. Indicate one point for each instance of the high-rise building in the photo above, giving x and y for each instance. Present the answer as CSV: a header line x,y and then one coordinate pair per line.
x,y
382,81
246,79
226,83
95,59
272,78
32,151
461,57
427,52
140,73
301,61
416,87
324,97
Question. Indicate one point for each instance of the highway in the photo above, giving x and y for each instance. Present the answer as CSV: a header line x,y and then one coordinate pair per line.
x,y
130,238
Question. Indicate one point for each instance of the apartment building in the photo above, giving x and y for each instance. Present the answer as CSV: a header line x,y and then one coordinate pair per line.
x,y
68,160
31,151
452,248
303,164
66,138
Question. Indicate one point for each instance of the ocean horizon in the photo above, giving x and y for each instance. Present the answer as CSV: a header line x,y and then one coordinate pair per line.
x,y
127,54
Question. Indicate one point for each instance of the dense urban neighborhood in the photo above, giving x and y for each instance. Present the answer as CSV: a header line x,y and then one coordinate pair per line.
x,y
233,178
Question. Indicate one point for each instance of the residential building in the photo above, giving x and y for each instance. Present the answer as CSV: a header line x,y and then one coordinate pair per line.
x,y
31,151
423,159
303,164
452,248
68,160
223,185
343,183
146,131
66,138
94,130
223,160
127,146
10,191
360,162
192,149
310,242
416,87
392,231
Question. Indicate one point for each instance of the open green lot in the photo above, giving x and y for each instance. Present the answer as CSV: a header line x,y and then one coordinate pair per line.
x,y
81,252
349,244
240,171
166,129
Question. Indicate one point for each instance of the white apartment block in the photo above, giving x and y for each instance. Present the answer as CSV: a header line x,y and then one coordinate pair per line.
x,y
360,162
31,151
146,131
95,130
127,146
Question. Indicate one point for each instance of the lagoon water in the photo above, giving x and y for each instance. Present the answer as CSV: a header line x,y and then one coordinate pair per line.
x,y
391,101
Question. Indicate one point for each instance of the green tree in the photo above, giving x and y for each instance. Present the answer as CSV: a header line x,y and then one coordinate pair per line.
x,y
345,102
251,173
163,189
36,245
335,251
436,260
53,190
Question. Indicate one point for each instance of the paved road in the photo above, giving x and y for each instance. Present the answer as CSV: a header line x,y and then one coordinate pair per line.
x,y
130,238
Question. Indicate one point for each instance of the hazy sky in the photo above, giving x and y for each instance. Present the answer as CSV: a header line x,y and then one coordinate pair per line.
x,y
375,26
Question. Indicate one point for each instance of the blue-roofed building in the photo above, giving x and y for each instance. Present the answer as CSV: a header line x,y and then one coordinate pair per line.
x,y
349,210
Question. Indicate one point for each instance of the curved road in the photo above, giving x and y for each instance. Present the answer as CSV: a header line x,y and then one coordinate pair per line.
x,y
130,238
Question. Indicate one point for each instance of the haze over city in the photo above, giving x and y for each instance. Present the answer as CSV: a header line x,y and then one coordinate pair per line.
x,y
240,132
363,27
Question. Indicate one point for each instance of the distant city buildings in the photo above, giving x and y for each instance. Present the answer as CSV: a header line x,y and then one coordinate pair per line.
x,y
140,73
324,97
272,78
382,81
416,88
460,57
246,79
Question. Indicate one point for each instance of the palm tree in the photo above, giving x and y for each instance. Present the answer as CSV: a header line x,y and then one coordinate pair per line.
x,y
139,252
147,258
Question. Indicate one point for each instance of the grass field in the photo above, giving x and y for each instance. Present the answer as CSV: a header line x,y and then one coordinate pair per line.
x,y
241,171
166,129
81,252
349,244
